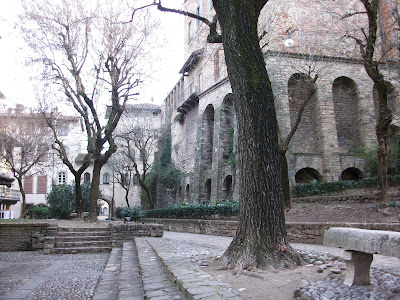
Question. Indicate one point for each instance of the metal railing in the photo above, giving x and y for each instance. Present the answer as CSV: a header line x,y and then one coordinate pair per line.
x,y
189,91
9,194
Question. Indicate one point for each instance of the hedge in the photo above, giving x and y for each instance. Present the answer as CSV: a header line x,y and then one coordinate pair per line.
x,y
321,188
224,208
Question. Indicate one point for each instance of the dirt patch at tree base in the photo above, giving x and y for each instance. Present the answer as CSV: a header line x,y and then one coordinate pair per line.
x,y
343,212
275,285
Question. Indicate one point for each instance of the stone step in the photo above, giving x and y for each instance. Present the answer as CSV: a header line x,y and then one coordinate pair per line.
x,y
156,283
130,279
82,229
81,244
108,287
80,250
83,233
63,239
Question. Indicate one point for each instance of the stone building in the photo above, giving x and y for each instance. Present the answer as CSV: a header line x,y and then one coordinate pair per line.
x,y
298,43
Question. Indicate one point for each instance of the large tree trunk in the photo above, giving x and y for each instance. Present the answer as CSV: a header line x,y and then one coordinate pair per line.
x,y
382,134
94,191
78,196
285,180
23,207
260,239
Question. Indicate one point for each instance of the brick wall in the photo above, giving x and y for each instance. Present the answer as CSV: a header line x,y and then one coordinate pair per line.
x,y
22,237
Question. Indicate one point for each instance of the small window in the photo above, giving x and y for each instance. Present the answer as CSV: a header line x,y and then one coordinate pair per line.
x,y
62,178
198,22
106,178
86,177
189,29
64,129
135,179
155,113
216,65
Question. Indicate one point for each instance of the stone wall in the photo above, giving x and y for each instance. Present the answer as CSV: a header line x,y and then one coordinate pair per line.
x,y
22,237
127,231
307,233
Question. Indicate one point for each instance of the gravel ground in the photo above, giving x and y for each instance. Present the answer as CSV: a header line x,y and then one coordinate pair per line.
x,y
62,276
66,287
384,285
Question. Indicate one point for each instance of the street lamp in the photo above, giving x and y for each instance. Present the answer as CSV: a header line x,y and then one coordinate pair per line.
x,y
289,42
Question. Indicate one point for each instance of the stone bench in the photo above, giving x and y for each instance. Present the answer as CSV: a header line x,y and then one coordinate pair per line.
x,y
359,246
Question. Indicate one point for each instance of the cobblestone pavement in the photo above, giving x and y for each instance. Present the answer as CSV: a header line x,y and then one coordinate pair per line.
x,y
103,276
32,275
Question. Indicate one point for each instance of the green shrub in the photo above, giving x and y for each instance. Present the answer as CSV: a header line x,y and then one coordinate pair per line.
x,y
322,188
224,208
38,212
62,202
135,213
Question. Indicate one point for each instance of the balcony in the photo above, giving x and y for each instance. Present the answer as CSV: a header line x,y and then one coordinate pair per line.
x,y
189,99
9,196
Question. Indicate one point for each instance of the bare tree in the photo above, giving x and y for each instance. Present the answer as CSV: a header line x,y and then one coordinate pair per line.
x,y
25,142
367,40
137,142
54,122
123,172
93,59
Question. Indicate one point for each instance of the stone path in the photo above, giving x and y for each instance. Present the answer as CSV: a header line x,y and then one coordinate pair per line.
x,y
150,268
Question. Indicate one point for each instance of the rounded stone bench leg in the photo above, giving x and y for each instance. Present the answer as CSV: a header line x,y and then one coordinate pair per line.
x,y
357,267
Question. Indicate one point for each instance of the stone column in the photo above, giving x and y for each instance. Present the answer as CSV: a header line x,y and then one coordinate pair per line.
x,y
357,267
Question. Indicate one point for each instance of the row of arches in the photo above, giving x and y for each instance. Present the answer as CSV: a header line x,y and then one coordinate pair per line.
x,y
348,112
306,175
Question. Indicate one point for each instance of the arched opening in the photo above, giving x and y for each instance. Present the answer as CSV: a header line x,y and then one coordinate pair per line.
x,y
305,175
207,136
106,178
207,190
345,104
187,193
306,138
227,187
227,127
86,177
351,174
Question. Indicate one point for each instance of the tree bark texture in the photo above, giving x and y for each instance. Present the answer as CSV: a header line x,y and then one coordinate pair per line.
x,y
260,239
22,191
94,191
285,180
78,196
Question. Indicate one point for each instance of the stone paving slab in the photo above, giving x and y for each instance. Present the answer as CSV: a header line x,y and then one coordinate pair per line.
x,y
191,281
156,283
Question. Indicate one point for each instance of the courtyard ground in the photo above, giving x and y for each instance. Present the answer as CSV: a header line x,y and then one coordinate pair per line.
x,y
344,212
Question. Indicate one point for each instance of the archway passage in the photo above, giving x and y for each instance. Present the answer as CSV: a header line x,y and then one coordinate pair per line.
x,y
207,136
305,175
351,174
227,187
345,104
187,193
227,127
207,190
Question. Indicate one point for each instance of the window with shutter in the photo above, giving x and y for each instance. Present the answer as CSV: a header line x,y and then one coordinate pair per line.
x,y
41,185
28,185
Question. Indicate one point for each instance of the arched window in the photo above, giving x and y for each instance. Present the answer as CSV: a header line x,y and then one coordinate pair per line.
x,y
86,177
207,189
345,104
227,187
207,137
187,193
106,178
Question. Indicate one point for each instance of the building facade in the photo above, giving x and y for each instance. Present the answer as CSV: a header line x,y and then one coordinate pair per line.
x,y
300,46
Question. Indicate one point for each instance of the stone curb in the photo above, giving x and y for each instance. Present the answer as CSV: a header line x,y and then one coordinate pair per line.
x,y
192,282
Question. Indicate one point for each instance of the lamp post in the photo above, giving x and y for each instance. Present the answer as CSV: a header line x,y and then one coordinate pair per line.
x,y
289,42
